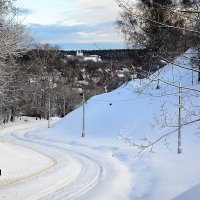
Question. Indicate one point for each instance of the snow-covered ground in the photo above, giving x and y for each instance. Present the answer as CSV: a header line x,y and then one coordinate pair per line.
x,y
56,163
37,168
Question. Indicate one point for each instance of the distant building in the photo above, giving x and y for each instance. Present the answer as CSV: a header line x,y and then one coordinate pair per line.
x,y
94,58
79,53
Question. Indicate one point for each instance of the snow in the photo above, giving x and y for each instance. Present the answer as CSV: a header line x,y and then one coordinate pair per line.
x,y
56,163
16,162
191,194
57,170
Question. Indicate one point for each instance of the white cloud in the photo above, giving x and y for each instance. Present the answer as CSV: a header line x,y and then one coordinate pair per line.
x,y
80,33
44,11
95,18
70,12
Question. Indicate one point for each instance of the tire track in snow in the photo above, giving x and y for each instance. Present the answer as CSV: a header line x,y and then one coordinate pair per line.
x,y
51,161
80,173
90,174
16,179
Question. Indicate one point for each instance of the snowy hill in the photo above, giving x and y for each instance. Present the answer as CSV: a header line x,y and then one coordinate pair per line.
x,y
125,112
101,165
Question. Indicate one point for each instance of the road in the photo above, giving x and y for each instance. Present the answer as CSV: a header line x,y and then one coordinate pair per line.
x,y
58,170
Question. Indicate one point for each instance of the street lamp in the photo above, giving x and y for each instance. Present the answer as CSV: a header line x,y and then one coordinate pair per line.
x,y
158,85
83,115
64,110
49,121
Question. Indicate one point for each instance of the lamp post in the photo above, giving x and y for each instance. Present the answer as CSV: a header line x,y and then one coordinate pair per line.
x,y
64,111
179,119
83,116
158,85
49,121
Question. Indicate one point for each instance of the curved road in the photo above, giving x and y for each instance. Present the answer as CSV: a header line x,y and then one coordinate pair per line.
x,y
72,172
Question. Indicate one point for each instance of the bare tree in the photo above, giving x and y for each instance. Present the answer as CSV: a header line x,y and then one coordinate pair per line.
x,y
39,79
166,29
13,40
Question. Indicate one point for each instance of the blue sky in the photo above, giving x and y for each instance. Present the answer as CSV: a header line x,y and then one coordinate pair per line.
x,y
73,24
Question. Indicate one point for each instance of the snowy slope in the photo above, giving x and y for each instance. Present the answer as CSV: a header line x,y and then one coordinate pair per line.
x,y
190,194
125,112
101,166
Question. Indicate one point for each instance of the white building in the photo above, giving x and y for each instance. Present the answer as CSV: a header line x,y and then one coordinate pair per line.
x,y
94,58
79,53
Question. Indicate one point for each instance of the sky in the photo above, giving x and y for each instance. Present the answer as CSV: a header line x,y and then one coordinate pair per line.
x,y
73,24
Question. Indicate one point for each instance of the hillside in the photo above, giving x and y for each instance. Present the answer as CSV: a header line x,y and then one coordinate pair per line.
x,y
124,112
116,171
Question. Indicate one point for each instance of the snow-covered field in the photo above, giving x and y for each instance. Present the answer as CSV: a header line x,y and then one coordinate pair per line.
x,y
56,163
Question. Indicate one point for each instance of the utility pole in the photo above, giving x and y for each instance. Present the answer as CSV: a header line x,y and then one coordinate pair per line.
x,y
158,85
49,121
64,107
111,68
179,119
83,117
192,76
198,65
